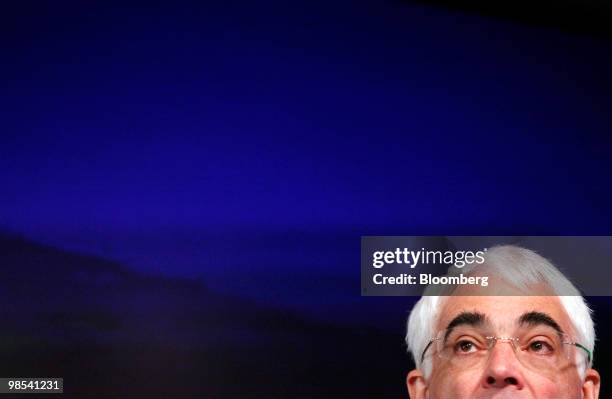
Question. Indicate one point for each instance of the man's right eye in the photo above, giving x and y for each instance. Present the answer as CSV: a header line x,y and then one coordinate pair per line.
x,y
464,347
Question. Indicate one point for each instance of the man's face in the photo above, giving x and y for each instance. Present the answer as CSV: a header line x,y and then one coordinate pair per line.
x,y
503,371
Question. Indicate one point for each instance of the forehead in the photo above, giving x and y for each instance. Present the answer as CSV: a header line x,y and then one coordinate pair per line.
x,y
503,311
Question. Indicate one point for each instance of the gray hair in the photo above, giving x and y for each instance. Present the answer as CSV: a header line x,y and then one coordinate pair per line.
x,y
503,260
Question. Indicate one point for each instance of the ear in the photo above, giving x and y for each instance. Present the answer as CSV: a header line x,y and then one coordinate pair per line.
x,y
417,386
590,387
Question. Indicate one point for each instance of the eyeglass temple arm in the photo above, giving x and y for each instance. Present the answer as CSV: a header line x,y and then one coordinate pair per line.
x,y
588,352
425,350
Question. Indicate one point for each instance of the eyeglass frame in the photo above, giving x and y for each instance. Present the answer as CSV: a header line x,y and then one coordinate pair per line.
x,y
515,339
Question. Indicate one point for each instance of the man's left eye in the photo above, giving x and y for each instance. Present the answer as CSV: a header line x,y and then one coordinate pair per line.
x,y
465,347
540,347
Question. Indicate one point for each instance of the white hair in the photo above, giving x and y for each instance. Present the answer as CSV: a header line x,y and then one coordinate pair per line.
x,y
519,267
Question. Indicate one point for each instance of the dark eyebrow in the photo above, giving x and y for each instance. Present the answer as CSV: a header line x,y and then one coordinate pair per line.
x,y
539,318
474,319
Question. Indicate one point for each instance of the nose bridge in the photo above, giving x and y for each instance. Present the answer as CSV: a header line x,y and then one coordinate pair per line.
x,y
502,368
503,357
504,340
503,348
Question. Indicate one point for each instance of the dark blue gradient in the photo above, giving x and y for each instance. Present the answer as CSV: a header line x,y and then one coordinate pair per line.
x,y
125,127
313,117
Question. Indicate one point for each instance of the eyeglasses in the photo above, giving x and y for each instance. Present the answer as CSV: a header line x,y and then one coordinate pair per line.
x,y
540,348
